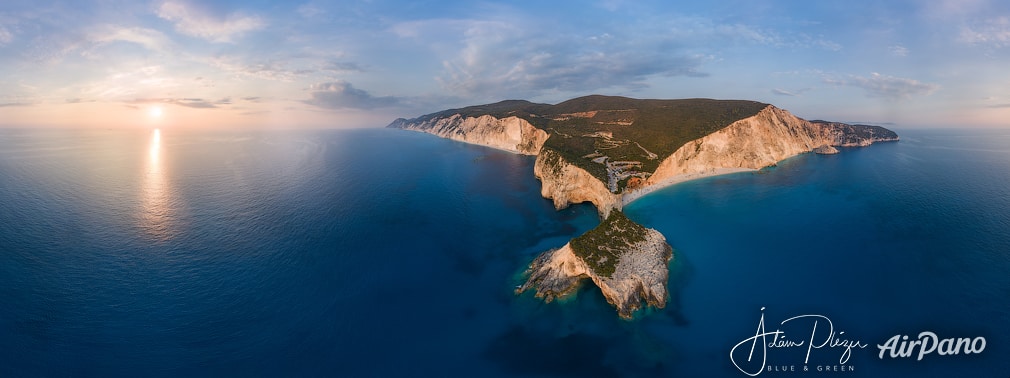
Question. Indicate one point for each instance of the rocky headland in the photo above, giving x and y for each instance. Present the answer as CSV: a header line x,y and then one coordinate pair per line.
x,y
626,261
612,150
512,134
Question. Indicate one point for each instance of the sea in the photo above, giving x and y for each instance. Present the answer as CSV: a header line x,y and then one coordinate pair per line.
x,y
390,253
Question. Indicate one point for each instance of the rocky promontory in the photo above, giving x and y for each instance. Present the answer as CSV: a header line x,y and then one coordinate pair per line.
x,y
626,261
511,133
612,150
566,183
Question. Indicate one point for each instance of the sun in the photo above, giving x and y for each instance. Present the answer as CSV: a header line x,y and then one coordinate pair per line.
x,y
155,112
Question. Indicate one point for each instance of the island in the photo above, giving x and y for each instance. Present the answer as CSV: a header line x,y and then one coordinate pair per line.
x,y
610,150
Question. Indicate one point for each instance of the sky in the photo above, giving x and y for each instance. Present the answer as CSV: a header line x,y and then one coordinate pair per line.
x,y
290,64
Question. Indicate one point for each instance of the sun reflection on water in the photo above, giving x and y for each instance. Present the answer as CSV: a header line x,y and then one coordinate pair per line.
x,y
156,211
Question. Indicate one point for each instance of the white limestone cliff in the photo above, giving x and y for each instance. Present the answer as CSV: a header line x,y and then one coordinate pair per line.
x,y
511,133
756,142
639,277
566,184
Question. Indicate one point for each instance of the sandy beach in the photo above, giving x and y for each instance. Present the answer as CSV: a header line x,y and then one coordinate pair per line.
x,y
638,193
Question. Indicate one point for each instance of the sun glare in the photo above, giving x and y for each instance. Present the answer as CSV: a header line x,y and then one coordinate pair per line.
x,y
154,112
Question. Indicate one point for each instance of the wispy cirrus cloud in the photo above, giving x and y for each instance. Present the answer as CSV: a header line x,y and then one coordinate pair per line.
x,y
309,10
899,51
342,67
191,21
128,82
702,30
5,36
510,59
793,93
268,70
504,57
993,32
197,103
148,38
878,85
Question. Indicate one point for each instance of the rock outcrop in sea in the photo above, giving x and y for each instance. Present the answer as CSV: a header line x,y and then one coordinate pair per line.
x,y
628,262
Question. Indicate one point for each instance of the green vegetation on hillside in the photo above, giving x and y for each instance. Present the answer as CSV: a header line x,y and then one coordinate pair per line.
x,y
632,135
659,126
555,160
601,248
519,108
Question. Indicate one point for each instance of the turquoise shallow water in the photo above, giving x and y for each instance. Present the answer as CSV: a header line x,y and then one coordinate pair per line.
x,y
391,253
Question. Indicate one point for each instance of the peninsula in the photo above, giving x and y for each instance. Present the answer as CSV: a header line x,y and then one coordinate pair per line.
x,y
612,150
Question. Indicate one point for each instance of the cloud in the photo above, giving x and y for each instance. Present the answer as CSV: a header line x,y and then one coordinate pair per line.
x,y
192,22
148,38
309,10
510,59
783,92
516,57
197,103
900,51
263,70
992,32
946,10
343,95
5,36
877,85
706,31
13,104
342,67
55,47
125,83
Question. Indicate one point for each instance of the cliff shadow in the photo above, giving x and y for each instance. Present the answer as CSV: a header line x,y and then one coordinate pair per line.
x,y
681,274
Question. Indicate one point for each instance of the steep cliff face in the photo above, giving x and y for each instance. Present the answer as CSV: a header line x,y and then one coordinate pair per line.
x,y
562,181
639,276
566,184
760,141
511,133
845,135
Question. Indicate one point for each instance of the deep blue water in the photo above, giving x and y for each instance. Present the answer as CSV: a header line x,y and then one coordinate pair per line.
x,y
392,253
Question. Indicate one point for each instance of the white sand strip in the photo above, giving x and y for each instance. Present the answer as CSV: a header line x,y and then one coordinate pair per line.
x,y
639,193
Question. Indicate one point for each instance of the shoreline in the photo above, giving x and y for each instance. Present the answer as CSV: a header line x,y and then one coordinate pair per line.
x,y
516,152
628,198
